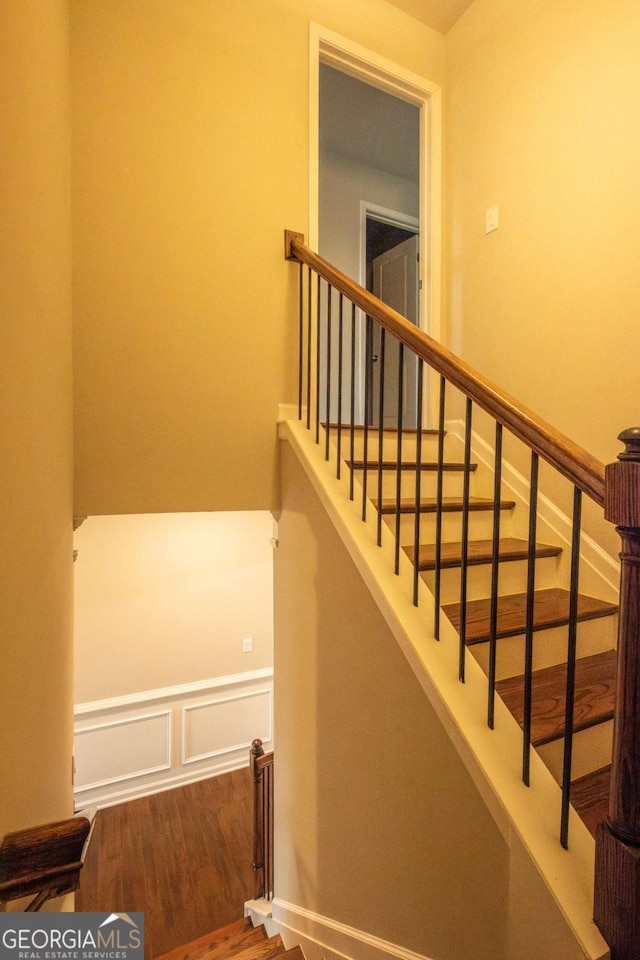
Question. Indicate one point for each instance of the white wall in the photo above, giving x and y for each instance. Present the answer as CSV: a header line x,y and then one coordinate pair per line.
x,y
165,599
164,691
343,184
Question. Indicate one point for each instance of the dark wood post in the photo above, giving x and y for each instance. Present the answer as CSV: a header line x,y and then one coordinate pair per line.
x,y
255,753
617,875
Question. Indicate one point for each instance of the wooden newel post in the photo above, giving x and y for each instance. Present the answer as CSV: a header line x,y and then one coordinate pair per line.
x,y
617,874
255,753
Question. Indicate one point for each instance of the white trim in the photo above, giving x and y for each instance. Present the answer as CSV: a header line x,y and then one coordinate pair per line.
x,y
171,693
142,772
326,46
230,748
321,937
174,704
113,797
375,212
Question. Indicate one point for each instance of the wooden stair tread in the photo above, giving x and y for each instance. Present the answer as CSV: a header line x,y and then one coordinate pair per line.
x,y
223,942
240,940
295,953
594,696
448,466
449,505
478,552
551,609
590,797
264,950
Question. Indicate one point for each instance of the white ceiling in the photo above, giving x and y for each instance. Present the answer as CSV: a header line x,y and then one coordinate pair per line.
x,y
367,125
439,14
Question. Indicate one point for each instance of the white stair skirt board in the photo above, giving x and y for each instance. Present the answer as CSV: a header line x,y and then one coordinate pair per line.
x,y
527,817
133,746
325,939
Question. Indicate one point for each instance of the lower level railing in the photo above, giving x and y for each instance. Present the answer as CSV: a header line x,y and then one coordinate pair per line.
x,y
261,765
354,352
44,862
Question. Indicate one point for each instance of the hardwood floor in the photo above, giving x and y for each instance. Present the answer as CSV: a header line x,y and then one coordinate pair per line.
x,y
182,857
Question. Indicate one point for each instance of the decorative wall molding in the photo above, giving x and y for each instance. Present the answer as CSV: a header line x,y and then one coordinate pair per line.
x,y
135,745
234,714
325,939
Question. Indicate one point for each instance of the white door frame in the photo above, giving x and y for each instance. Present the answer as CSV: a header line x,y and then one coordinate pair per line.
x,y
328,47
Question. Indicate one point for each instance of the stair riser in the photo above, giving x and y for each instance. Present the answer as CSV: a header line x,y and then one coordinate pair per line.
x,y
512,579
452,484
429,450
591,751
549,647
480,526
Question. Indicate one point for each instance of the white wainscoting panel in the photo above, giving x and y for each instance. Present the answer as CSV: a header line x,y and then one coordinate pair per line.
x,y
206,726
121,749
132,746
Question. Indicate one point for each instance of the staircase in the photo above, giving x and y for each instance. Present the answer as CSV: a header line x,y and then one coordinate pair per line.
x,y
522,614
240,940
596,664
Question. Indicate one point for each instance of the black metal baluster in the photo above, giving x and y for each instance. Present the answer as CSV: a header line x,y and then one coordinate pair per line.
x,y
318,338
416,516
465,542
327,412
352,441
340,359
309,337
572,642
368,385
381,360
399,457
301,336
528,647
495,554
439,488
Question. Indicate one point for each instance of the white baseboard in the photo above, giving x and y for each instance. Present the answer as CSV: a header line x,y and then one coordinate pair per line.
x,y
154,740
325,939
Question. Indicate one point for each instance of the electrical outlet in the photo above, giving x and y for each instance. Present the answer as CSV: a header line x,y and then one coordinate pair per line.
x,y
247,645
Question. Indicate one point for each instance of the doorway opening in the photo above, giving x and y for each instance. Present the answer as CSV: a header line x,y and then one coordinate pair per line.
x,y
392,256
376,146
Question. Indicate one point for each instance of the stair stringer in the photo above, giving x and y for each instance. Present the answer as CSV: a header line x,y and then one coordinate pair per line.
x,y
322,938
528,818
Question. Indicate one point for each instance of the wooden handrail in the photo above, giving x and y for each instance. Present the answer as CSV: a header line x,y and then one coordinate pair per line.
x,y
571,460
44,860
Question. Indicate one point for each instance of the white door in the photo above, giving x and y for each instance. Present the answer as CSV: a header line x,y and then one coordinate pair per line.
x,y
396,282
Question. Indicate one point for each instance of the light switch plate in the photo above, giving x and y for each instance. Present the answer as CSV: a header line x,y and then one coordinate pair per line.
x,y
491,219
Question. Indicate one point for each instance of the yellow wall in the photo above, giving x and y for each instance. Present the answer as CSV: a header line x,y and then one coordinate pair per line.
x,y
35,400
542,118
379,825
190,157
